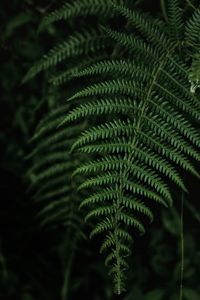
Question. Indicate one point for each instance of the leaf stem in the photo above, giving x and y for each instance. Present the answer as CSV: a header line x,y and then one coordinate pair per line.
x,y
193,210
191,4
182,247
163,9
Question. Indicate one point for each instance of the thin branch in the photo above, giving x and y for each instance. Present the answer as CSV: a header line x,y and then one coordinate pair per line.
x,y
190,4
163,9
193,210
182,247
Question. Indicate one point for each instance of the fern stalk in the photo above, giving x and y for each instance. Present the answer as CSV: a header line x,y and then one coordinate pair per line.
x,y
182,247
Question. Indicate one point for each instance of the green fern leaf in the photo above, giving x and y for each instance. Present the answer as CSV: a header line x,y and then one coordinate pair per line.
x,y
76,9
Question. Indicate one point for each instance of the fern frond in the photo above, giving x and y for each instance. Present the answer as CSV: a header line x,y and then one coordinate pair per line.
x,y
194,75
147,129
118,164
138,135
176,120
125,68
143,154
78,8
56,192
192,39
113,178
57,136
116,86
102,106
52,169
175,18
137,206
134,44
192,29
145,25
106,195
69,74
80,43
103,132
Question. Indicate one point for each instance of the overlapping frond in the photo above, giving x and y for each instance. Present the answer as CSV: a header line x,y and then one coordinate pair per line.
x,y
52,165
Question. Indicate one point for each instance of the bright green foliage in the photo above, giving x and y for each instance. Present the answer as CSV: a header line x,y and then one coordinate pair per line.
x,y
139,113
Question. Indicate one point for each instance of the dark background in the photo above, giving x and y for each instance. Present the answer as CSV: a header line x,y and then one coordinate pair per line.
x,y
31,259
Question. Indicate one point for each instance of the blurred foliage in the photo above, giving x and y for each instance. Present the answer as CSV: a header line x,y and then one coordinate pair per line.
x,y
32,261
